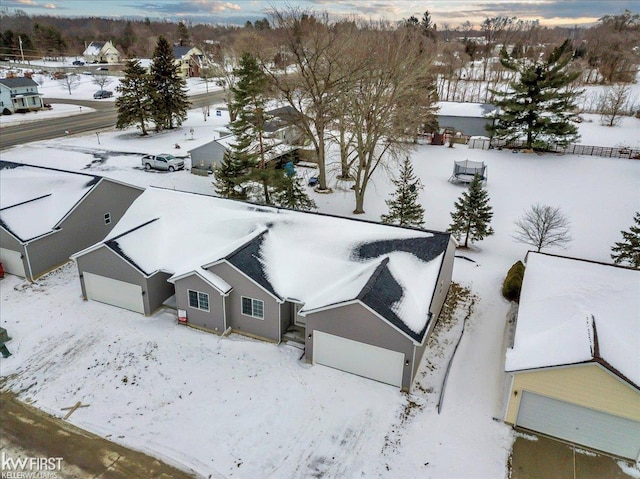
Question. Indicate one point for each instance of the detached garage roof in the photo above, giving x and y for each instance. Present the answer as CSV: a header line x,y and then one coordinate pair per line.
x,y
574,311
34,200
322,261
464,109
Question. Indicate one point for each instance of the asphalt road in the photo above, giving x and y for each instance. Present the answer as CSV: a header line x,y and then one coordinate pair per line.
x,y
104,117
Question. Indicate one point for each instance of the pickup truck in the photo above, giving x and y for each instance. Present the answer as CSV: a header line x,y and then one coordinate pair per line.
x,y
164,161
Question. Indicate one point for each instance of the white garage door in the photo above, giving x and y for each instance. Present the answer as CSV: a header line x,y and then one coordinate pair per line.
x,y
12,262
591,428
358,358
115,292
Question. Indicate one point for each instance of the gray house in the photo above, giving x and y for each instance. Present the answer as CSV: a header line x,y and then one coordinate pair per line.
x,y
48,214
358,296
19,95
469,119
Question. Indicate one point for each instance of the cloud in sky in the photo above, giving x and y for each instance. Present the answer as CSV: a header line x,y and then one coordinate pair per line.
x,y
452,12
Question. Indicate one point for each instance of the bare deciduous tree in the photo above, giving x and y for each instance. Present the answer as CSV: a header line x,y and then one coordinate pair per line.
x,y
102,80
614,103
542,227
389,101
318,49
70,82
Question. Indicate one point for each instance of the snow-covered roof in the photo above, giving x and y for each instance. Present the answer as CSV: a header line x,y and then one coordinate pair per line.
x,y
561,301
471,110
316,259
33,200
94,48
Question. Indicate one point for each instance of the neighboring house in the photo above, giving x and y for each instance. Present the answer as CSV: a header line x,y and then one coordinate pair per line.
x,y
102,52
19,95
468,119
48,214
360,296
575,361
280,133
189,60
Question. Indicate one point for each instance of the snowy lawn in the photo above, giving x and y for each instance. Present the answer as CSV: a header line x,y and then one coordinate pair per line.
x,y
243,408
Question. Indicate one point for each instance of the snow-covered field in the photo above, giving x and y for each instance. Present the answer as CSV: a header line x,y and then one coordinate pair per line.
x,y
237,407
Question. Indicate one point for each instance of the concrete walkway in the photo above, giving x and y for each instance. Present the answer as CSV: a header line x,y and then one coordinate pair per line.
x,y
537,457
27,432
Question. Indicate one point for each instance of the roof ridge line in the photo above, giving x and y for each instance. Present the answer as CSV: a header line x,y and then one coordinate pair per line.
x,y
25,202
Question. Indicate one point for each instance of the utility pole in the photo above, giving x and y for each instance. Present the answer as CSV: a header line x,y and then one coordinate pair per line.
x,y
21,52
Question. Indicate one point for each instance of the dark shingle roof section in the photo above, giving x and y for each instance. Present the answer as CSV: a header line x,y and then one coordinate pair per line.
x,y
18,82
382,291
426,249
247,259
179,51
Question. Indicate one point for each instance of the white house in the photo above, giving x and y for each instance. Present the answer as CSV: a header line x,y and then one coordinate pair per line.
x,y
102,52
19,95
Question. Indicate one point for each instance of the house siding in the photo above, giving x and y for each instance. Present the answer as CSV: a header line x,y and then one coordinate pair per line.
x,y
588,385
467,125
157,292
207,156
267,328
212,320
355,322
83,227
105,262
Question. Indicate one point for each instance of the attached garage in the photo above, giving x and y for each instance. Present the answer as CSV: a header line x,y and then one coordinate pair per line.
x,y
570,422
114,292
12,262
358,358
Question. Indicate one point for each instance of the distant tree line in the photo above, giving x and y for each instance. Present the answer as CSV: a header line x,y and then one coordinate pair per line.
x,y
604,53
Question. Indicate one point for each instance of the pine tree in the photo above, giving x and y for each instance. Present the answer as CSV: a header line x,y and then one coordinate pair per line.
x,y
183,34
404,208
291,194
230,176
134,102
250,149
628,250
473,214
539,103
169,103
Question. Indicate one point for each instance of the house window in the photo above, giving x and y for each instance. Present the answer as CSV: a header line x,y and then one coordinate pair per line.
x,y
253,307
198,300
107,218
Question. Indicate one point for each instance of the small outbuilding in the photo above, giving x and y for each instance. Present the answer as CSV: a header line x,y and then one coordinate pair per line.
x,y
575,361
468,119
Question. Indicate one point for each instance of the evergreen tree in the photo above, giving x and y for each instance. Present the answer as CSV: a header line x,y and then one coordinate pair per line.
x,y
539,103
250,148
404,208
183,34
291,194
473,214
134,102
169,103
628,250
230,176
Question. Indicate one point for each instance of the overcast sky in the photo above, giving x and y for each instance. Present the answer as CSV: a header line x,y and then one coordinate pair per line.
x,y
452,12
